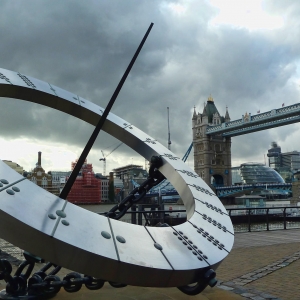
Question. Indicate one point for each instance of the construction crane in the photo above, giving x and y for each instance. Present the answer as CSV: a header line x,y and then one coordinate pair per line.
x,y
104,157
169,134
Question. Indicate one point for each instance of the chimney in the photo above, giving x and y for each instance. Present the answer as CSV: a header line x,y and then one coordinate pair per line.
x,y
39,158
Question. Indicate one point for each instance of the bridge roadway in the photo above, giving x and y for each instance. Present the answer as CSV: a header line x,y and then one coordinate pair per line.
x,y
262,265
224,191
270,119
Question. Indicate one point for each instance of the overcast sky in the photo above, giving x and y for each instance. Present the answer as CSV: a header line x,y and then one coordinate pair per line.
x,y
244,53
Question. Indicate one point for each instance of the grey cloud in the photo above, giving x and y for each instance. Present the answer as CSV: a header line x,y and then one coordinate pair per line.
x,y
84,47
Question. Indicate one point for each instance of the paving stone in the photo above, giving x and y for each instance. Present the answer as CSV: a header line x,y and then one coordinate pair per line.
x,y
229,283
224,287
248,295
247,281
283,264
257,298
266,296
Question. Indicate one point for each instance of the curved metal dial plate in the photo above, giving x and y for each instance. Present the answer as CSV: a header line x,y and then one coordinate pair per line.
x,y
89,243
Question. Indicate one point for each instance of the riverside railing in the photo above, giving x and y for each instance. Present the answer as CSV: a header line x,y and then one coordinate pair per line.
x,y
264,218
244,219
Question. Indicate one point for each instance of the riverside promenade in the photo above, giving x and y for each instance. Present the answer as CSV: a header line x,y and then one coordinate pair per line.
x,y
262,265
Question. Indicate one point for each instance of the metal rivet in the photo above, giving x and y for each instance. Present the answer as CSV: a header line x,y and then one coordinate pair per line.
x,y
190,242
158,246
194,252
52,216
220,248
199,251
185,237
65,222
4,181
198,231
10,192
184,243
120,239
16,189
1,185
105,234
180,232
203,234
200,258
175,233
195,226
180,238
205,256
61,213
195,246
189,247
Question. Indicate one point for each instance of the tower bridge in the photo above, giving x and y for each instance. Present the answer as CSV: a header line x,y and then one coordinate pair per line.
x,y
212,134
270,119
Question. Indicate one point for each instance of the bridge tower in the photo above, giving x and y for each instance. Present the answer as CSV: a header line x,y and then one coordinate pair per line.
x,y
212,154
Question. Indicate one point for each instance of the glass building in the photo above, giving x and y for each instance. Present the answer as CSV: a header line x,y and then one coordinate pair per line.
x,y
286,164
250,173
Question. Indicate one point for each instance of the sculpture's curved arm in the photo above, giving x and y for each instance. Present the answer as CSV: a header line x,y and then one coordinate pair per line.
x,y
32,218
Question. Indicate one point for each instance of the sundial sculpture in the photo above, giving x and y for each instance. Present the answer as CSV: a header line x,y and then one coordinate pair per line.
x,y
100,246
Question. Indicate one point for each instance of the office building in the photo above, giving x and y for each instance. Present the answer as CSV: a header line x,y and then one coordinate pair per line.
x,y
286,164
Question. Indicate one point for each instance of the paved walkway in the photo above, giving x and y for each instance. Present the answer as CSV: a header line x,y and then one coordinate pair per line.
x,y
265,263
262,265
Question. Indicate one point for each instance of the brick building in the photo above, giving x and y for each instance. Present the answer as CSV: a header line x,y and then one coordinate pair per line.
x,y
40,177
86,188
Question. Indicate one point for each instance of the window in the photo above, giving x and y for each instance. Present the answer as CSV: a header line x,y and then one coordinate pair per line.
x,y
44,182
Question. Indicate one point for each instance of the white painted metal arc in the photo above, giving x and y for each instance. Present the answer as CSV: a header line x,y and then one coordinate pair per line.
x,y
187,250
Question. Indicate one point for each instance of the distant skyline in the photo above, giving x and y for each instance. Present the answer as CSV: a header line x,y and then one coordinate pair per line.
x,y
245,54
144,164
